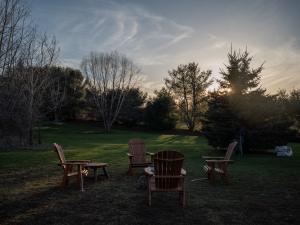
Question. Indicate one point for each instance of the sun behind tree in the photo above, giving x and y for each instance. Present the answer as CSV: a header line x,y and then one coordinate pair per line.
x,y
239,77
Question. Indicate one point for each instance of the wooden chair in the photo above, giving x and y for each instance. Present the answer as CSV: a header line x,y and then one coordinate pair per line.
x,y
68,166
167,174
137,155
219,165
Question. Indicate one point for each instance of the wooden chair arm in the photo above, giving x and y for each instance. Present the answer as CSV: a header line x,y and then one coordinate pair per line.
x,y
79,161
183,172
218,161
151,155
129,155
73,163
149,171
212,157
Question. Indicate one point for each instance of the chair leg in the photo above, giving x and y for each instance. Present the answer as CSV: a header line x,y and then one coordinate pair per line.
x,y
95,174
226,174
64,182
129,172
65,179
105,172
149,198
80,178
208,173
183,198
211,176
226,178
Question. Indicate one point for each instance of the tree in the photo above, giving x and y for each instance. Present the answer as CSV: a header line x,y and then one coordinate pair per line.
x,y
39,54
188,85
294,105
110,76
13,20
63,99
56,93
219,122
25,57
241,110
239,78
133,107
160,111
13,33
75,90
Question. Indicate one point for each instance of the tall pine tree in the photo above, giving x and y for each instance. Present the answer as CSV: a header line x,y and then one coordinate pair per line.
x,y
238,78
242,110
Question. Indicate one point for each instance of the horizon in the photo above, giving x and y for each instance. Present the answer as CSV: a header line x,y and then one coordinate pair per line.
x,y
160,35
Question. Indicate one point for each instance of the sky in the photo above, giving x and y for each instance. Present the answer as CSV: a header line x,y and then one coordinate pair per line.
x,y
158,35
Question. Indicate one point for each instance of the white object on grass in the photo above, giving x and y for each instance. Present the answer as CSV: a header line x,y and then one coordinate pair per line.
x,y
283,151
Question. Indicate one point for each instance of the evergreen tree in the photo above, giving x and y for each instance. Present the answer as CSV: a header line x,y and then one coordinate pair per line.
x,y
219,124
160,111
239,78
241,110
131,112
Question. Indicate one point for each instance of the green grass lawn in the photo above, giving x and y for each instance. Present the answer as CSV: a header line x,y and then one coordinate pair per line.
x,y
264,189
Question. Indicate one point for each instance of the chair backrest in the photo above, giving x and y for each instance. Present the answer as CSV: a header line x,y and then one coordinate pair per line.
x,y
137,148
58,149
167,169
230,150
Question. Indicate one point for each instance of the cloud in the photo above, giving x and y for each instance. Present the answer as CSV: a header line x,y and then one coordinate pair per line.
x,y
282,68
126,28
158,39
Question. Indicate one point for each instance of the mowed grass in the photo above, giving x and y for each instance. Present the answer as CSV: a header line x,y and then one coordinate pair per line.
x,y
264,189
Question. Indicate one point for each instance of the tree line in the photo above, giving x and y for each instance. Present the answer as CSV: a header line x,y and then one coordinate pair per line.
x,y
108,88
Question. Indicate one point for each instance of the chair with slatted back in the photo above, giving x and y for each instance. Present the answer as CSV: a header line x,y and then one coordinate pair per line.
x,y
137,155
219,165
167,175
68,167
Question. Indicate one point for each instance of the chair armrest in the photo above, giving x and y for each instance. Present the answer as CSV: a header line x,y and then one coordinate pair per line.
x,y
212,157
218,161
79,161
129,155
183,172
149,171
150,153
73,163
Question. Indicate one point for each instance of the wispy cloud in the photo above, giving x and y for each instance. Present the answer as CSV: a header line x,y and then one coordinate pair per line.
x,y
282,70
126,27
158,38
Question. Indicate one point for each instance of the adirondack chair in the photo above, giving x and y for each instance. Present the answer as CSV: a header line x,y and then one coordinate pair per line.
x,y
68,167
219,165
137,155
167,174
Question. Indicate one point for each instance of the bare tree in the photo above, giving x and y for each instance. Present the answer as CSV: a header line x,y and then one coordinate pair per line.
x,y
110,76
13,23
39,54
13,32
25,57
188,85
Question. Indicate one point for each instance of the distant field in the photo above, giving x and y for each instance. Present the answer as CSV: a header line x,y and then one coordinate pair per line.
x,y
263,190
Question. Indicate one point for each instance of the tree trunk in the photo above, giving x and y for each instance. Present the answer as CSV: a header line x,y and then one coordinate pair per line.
x,y
30,136
55,116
